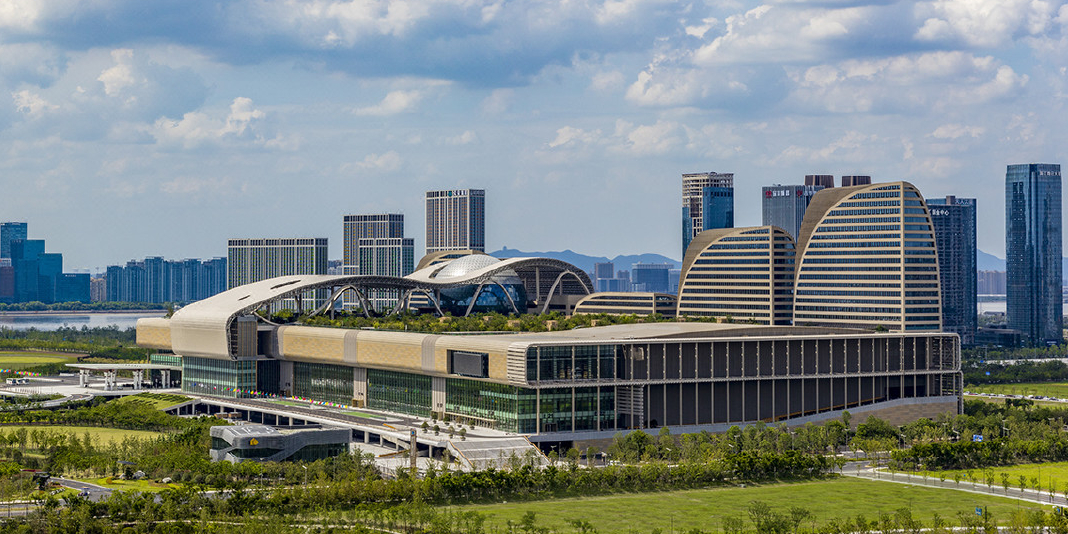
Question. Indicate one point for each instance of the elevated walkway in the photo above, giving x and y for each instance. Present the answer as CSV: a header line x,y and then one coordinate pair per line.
x,y
498,453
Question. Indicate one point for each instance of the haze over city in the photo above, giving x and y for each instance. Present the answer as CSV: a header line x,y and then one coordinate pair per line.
x,y
133,131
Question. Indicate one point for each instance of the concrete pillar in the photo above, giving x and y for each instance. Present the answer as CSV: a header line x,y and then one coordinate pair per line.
x,y
138,377
83,378
109,380
166,378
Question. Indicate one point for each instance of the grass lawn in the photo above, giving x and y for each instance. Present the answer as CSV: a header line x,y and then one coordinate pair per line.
x,y
1046,389
101,435
159,401
131,485
357,413
1055,472
22,360
705,509
292,403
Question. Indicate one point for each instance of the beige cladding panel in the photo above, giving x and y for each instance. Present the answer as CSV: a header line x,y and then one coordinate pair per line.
x,y
154,337
318,344
384,353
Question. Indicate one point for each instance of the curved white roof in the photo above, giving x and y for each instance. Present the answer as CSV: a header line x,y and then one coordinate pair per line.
x,y
203,327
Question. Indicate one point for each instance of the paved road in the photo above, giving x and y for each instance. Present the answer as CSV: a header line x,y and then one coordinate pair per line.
x,y
860,470
96,493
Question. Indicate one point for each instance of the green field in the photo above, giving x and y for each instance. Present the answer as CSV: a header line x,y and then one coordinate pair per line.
x,y
159,401
22,360
356,413
1055,473
682,511
101,435
1046,389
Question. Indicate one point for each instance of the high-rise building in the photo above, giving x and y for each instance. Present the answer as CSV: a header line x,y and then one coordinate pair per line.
x,y
37,275
866,258
1033,249
707,203
98,289
9,232
604,270
358,228
386,257
784,206
850,181
991,283
954,226
822,180
743,273
650,277
456,220
252,260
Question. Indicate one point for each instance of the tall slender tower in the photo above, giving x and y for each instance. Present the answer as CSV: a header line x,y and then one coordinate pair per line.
x,y
456,220
707,203
1033,249
954,226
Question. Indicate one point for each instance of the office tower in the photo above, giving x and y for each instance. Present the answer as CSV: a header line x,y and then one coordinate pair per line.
x,y
49,268
784,206
850,181
389,256
72,287
7,281
822,180
113,281
650,277
991,283
358,228
604,270
742,273
1033,249
614,285
252,260
9,232
25,258
707,203
954,227
456,220
866,258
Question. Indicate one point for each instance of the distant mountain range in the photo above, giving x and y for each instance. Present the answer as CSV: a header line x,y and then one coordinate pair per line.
x,y
585,262
988,262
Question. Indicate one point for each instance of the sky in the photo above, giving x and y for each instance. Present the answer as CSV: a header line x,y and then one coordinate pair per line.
x,y
132,128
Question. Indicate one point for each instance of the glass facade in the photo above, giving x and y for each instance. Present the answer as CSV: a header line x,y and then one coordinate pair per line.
x,y
224,378
954,224
1033,249
268,376
507,408
571,363
165,359
332,383
399,392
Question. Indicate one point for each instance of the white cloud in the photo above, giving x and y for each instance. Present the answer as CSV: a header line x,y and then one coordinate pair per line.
x,y
198,127
31,103
955,131
498,101
983,23
465,138
121,75
395,102
571,136
607,81
388,161
658,138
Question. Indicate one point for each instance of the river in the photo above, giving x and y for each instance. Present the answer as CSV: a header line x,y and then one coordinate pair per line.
x,y
55,321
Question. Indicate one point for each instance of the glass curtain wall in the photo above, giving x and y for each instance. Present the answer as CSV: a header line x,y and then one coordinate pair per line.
x,y
399,392
331,383
224,378
509,408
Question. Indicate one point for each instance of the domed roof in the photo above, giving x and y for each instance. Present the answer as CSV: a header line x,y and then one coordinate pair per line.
x,y
462,266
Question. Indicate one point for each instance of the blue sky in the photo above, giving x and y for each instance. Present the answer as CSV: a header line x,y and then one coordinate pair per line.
x,y
132,128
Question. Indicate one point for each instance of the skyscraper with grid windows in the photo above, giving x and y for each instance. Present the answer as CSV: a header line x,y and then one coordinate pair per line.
x,y
1033,251
456,220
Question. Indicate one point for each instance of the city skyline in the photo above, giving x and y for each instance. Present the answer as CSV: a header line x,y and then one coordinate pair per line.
x,y
115,113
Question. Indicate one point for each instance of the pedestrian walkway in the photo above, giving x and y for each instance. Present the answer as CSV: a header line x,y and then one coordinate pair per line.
x,y
971,486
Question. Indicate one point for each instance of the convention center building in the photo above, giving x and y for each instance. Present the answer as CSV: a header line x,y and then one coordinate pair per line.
x,y
587,383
